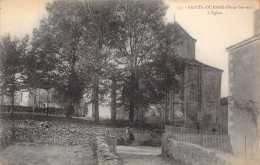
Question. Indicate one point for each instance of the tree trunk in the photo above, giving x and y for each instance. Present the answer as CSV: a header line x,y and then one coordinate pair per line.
x,y
96,99
113,99
12,102
34,101
70,109
132,98
131,109
47,111
93,104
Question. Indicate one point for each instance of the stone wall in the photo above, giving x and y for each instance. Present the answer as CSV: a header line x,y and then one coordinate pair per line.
x,y
104,156
193,154
6,136
5,141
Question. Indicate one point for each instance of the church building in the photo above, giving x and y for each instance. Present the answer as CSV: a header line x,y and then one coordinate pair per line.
x,y
197,103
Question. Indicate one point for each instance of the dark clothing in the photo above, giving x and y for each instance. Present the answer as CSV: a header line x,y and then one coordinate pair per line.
x,y
132,138
129,137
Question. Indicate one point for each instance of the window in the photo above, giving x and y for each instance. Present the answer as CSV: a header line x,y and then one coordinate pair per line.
x,y
193,92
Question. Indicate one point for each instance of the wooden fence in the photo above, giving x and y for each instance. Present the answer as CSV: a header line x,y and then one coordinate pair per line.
x,y
219,142
184,130
51,111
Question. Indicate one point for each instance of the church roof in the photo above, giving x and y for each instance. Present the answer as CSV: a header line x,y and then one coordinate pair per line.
x,y
194,62
181,30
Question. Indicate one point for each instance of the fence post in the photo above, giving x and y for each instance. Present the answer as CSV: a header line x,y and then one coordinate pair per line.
x,y
245,147
219,143
207,140
193,138
210,141
217,136
214,141
197,139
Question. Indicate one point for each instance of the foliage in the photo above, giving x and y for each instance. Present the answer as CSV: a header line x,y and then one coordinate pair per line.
x,y
249,106
11,64
137,44
252,108
118,46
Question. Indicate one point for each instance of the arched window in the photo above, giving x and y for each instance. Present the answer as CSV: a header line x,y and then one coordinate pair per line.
x,y
193,92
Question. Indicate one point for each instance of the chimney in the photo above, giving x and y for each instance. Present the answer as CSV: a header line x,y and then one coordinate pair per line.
x,y
257,22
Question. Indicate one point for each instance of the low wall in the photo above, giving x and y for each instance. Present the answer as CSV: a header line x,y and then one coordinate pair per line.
x,y
51,110
104,156
5,141
193,154
6,136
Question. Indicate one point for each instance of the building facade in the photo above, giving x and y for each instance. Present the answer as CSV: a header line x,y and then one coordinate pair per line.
x,y
244,85
39,98
197,103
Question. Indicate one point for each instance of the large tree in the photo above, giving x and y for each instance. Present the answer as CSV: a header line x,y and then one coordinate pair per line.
x,y
99,38
41,63
81,32
137,44
65,25
147,51
12,52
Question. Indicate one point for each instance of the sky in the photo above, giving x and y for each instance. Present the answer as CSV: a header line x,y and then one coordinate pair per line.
x,y
232,23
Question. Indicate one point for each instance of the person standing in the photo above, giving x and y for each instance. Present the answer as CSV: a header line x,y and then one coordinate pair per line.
x,y
129,136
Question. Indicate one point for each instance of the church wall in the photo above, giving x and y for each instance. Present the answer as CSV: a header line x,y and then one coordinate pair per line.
x,y
191,91
197,104
186,48
210,98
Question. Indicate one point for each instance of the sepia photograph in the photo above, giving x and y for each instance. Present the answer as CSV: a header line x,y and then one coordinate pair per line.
x,y
129,82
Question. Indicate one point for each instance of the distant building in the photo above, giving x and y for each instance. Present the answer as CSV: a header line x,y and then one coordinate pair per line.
x,y
244,85
196,105
42,97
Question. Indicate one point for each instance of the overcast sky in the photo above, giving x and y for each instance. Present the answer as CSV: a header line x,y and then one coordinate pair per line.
x,y
214,33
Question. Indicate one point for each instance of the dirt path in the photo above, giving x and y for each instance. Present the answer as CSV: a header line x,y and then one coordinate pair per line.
x,y
35,154
143,155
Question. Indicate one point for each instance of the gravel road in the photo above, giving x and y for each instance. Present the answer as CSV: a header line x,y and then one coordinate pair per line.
x,y
143,155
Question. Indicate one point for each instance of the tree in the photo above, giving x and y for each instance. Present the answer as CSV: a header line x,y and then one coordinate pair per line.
x,y
162,76
99,39
82,51
137,43
41,63
66,17
252,108
11,65
147,49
